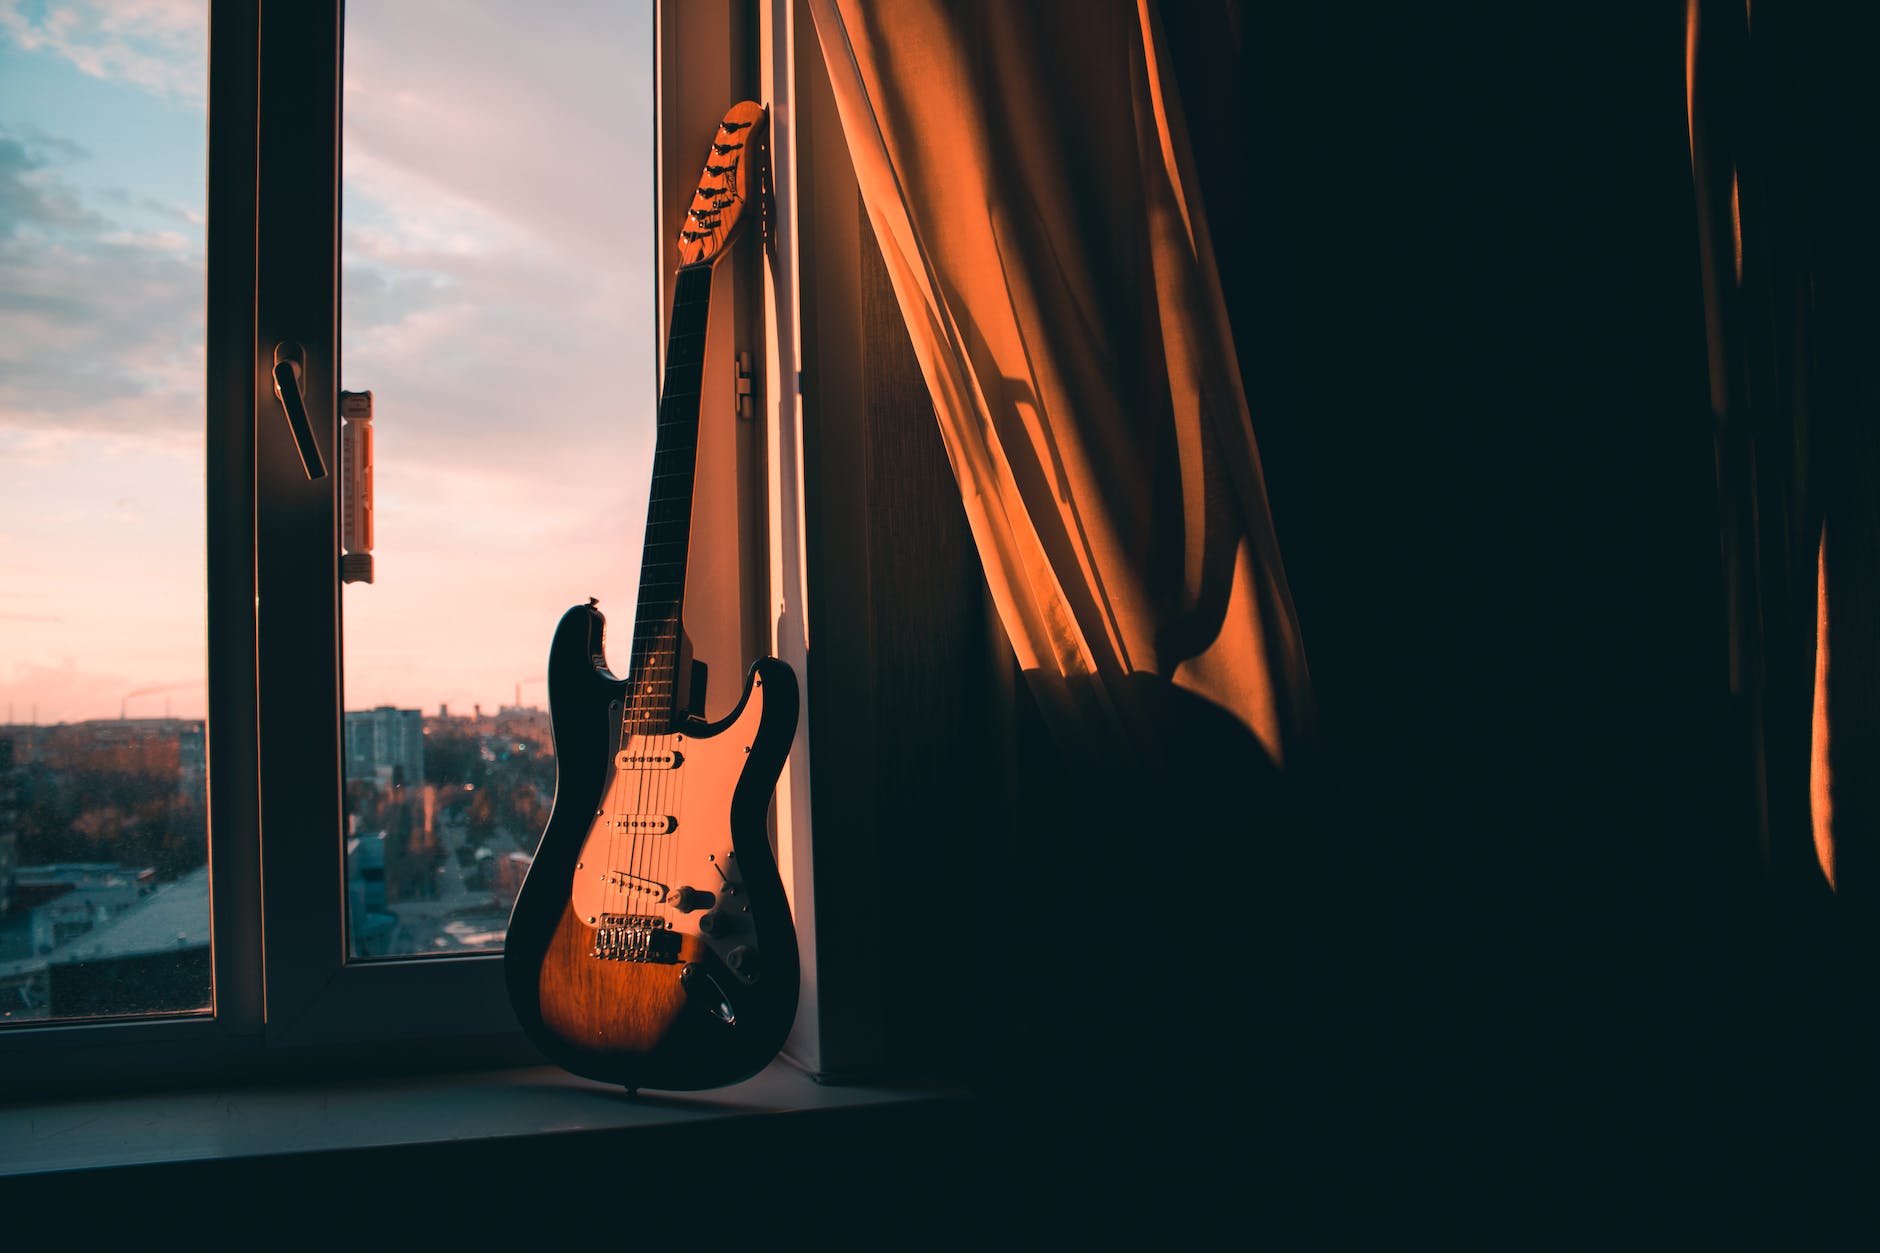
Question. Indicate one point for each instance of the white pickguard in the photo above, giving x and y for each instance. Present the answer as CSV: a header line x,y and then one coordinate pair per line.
x,y
664,824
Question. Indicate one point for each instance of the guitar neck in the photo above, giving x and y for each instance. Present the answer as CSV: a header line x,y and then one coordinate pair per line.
x,y
656,621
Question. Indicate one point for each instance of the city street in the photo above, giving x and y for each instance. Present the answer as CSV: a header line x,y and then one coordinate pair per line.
x,y
462,916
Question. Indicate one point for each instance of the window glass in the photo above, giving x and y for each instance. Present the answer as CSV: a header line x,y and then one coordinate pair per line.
x,y
498,307
104,887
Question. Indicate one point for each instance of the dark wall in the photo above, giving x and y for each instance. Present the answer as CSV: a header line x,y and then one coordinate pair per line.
x,y
1461,254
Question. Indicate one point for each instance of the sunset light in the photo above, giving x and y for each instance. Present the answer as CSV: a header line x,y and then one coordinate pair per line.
x,y
498,298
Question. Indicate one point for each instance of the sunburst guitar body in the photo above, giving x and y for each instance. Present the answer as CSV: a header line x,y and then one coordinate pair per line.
x,y
651,944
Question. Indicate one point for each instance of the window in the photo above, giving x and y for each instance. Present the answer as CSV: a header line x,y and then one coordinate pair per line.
x,y
174,623
385,237
496,267
104,880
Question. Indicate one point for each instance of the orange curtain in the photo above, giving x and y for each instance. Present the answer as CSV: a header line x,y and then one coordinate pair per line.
x,y
1780,107
1027,174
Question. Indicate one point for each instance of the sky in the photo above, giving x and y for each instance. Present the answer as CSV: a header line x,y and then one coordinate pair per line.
x,y
499,280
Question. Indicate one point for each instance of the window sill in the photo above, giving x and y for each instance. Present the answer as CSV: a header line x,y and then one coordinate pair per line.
x,y
468,1156
533,1103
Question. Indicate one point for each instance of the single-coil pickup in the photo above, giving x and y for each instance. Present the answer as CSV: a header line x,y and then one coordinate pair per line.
x,y
621,881
629,759
643,824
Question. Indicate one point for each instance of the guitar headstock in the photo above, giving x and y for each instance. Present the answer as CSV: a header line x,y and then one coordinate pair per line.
x,y
731,184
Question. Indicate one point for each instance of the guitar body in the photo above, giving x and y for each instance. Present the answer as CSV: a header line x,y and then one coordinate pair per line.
x,y
610,977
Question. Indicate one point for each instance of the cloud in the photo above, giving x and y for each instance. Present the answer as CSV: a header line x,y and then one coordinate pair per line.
x,y
555,140
499,258
161,46
101,325
500,291
29,196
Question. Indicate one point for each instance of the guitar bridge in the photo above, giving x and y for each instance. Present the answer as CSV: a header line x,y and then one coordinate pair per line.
x,y
635,938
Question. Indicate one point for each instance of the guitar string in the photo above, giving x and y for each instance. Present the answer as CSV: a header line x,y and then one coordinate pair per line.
x,y
669,791
663,655
730,178
649,727
630,775
659,750
639,753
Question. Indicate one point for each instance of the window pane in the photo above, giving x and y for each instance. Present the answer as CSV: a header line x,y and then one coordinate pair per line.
x,y
104,886
498,302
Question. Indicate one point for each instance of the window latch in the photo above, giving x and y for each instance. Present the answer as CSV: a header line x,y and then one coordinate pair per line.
x,y
289,363
746,401
355,487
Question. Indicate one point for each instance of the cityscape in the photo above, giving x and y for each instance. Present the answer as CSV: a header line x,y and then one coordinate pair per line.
x,y
104,880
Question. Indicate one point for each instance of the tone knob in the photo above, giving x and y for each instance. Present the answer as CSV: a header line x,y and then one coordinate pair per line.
x,y
743,961
715,923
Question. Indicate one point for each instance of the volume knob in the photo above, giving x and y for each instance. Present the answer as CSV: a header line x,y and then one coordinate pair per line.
x,y
686,900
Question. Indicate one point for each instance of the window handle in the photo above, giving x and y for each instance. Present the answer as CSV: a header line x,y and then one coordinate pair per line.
x,y
288,363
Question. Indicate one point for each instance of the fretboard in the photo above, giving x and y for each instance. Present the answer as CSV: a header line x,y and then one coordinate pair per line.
x,y
656,621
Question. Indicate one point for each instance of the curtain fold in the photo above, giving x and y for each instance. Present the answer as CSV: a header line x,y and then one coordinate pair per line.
x,y
1026,172
1782,148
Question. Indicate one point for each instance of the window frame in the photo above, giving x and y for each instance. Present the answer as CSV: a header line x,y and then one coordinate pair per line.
x,y
288,1003
287,998
225,1040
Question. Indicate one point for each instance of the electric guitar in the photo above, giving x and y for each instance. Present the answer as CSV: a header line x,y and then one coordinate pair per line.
x,y
651,943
